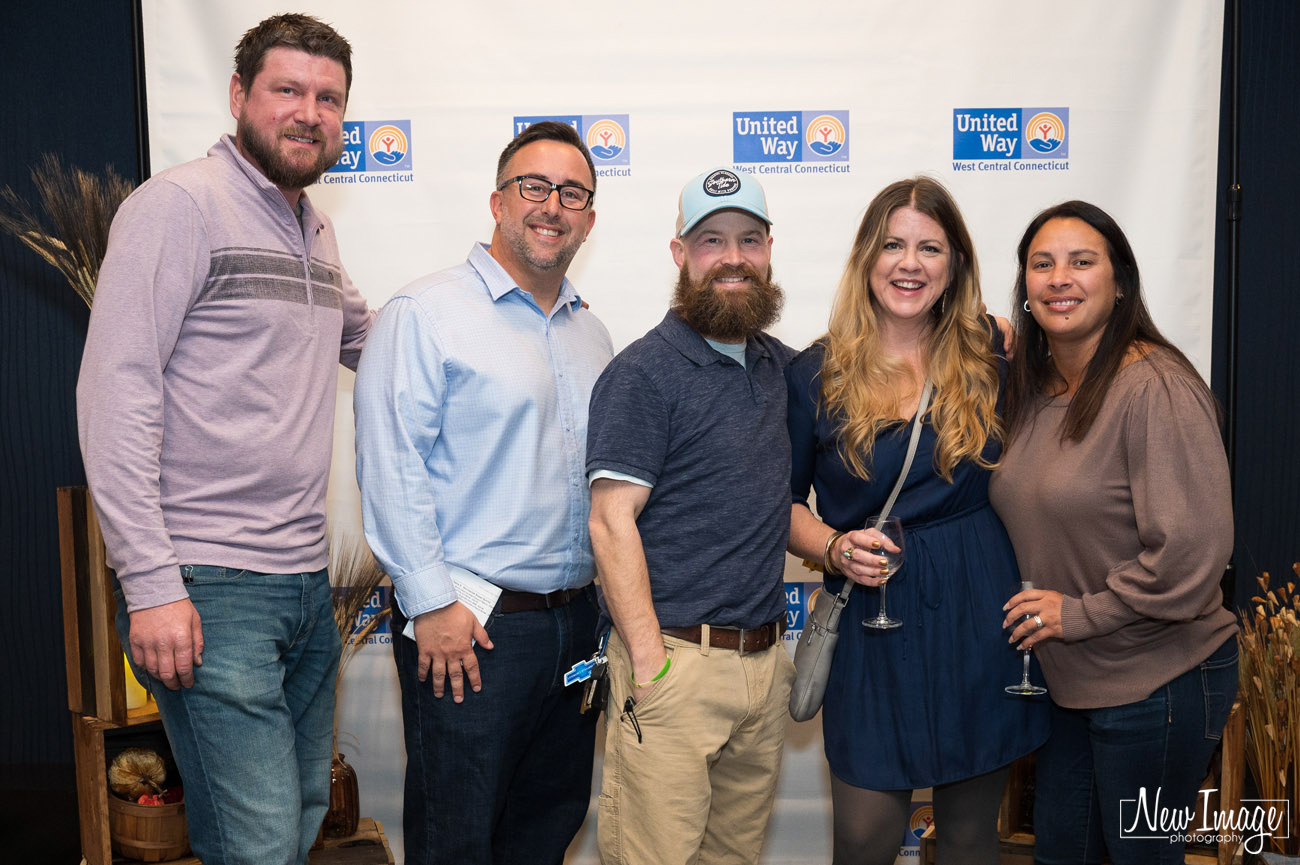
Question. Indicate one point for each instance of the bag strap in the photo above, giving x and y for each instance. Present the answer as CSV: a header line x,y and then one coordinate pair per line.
x,y
843,597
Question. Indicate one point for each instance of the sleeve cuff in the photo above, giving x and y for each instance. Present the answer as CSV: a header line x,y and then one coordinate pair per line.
x,y
423,591
616,476
153,588
625,471
1093,615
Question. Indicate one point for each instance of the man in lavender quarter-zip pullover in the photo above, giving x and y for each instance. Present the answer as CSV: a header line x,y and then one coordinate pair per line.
x,y
206,411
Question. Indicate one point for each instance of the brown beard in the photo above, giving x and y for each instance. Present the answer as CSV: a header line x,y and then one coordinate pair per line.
x,y
277,169
728,316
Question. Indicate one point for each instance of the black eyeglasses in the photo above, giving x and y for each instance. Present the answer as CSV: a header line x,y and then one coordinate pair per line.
x,y
539,189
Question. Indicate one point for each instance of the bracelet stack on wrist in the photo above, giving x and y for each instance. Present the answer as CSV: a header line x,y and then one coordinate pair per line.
x,y
827,562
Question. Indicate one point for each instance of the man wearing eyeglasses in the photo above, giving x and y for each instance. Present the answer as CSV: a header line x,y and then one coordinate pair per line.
x,y
471,410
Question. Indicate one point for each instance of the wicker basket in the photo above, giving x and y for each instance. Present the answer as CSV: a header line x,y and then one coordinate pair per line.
x,y
150,833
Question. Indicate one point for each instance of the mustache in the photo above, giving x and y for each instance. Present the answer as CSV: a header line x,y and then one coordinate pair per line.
x,y
301,132
721,271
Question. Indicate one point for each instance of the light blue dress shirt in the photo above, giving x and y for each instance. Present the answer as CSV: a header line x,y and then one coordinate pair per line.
x,y
471,411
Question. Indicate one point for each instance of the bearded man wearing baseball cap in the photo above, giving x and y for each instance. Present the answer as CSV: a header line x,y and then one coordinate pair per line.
x,y
689,464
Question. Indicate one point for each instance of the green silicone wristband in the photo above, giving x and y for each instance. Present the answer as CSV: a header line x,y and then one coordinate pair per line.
x,y
667,663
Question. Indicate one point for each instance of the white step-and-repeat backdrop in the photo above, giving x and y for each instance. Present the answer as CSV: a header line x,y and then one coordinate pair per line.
x,y
1013,105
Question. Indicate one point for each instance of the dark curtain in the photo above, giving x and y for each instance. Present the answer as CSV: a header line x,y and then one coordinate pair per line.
x,y
1267,495
69,89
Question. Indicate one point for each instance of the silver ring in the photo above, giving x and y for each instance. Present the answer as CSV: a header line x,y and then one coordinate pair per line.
x,y
1038,620
848,554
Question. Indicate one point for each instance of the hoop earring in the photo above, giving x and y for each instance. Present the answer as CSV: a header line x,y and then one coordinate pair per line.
x,y
1026,304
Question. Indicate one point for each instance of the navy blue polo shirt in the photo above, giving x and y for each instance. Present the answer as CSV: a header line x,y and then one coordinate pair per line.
x,y
711,436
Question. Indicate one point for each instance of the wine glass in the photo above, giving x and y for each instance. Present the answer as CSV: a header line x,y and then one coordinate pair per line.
x,y
1024,686
892,528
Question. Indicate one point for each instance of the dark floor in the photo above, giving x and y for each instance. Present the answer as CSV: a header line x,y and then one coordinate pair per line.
x,y
40,827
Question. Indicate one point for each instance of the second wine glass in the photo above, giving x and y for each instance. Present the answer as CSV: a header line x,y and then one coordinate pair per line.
x,y
1024,687
892,528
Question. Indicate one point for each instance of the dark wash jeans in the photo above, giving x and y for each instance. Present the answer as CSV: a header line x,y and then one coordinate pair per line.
x,y
253,739
503,778
1097,757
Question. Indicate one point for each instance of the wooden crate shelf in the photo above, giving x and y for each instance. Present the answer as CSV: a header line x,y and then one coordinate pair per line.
x,y
96,673
97,692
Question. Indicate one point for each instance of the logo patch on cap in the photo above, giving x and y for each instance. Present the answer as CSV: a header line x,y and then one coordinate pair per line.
x,y
721,182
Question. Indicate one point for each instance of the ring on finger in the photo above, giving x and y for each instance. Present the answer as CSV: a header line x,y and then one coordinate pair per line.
x,y
848,554
1038,621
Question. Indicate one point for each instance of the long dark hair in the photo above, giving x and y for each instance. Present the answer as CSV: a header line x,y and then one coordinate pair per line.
x,y
1032,371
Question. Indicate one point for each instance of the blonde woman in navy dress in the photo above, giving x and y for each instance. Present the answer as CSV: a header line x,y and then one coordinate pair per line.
x,y
922,705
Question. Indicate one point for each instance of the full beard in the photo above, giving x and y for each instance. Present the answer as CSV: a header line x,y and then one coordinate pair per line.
x,y
279,169
728,316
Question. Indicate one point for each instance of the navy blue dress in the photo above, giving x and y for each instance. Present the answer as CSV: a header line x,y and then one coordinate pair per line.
x,y
922,704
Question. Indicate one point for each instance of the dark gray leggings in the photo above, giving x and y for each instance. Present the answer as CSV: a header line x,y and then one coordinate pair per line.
x,y
869,824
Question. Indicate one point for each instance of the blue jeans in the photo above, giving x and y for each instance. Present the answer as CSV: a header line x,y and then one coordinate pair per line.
x,y
504,777
253,739
1097,757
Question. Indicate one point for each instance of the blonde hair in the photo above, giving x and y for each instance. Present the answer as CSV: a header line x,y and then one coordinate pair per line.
x,y
864,390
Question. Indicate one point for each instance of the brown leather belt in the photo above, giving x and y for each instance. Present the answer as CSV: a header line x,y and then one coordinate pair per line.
x,y
522,602
744,639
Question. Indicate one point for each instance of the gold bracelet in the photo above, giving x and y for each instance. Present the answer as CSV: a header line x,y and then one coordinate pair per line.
x,y
830,566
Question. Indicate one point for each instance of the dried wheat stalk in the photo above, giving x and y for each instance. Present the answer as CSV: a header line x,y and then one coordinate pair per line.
x,y
1270,673
69,228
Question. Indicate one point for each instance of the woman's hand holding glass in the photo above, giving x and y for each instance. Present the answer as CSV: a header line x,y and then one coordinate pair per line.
x,y
892,530
1025,610
860,556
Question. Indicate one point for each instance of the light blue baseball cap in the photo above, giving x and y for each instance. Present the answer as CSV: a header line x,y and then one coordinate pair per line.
x,y
719,189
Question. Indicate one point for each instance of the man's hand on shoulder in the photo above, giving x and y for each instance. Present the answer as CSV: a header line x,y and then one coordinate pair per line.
x,y
168,642
1004,328
445,639
1008,336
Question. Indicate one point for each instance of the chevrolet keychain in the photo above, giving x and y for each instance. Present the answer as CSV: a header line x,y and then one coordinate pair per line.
x,y
593,672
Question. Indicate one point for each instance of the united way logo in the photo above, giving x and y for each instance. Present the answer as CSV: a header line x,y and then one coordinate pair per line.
x,y
1045,132
826,135
388,145
606,136
922,818
375,146
606,139
982,134
790,136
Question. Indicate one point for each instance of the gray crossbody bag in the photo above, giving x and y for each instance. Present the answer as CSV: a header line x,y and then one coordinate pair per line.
x,y
816,649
